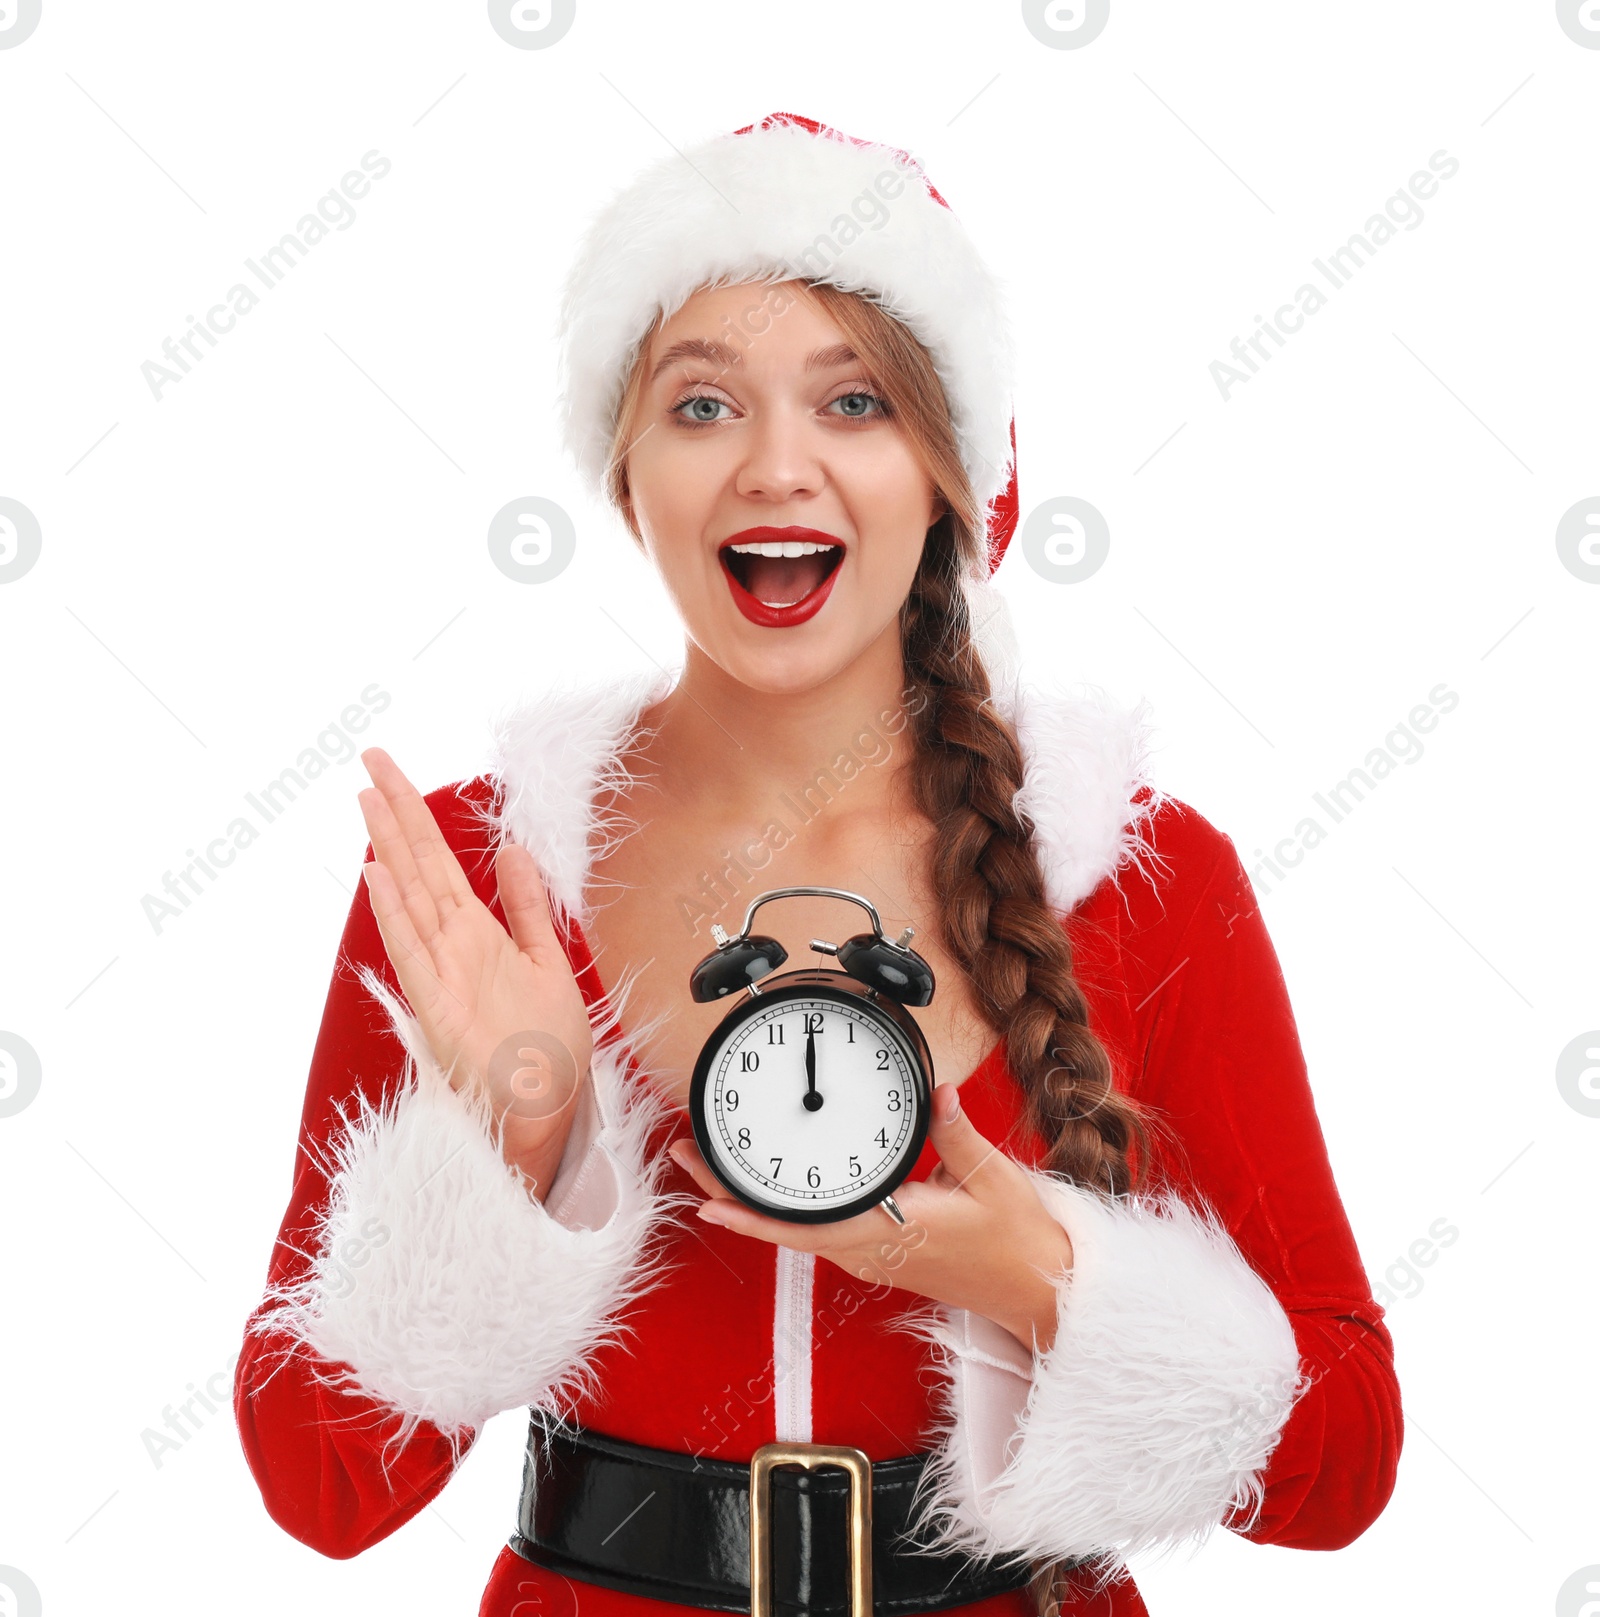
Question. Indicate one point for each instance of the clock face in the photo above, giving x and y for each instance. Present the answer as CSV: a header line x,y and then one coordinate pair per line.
x,y
811,1107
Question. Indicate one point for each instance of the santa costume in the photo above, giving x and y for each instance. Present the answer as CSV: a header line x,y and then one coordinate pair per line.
x,y
1219,1359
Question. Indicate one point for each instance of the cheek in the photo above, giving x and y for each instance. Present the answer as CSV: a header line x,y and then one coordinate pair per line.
x,y
671,494
890,495
893,529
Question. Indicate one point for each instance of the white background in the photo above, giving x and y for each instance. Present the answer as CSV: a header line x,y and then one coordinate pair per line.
x,y
225,570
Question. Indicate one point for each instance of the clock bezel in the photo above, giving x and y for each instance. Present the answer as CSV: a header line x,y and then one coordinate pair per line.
x,y
815,982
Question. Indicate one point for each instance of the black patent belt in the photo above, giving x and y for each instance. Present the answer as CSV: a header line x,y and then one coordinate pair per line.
x,y
831,1540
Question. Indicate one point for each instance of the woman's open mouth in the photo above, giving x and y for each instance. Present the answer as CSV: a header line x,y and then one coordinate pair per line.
x,y
780,577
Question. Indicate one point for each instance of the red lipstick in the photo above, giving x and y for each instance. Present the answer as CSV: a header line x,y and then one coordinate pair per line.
x,y
818,569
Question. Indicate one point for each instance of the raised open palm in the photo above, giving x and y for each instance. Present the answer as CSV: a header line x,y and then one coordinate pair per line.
x,y
502,1013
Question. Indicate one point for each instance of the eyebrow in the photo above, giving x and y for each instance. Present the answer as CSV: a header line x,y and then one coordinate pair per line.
x,y
708,349
826,359
717,353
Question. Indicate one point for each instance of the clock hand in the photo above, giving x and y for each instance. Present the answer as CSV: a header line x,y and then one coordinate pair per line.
x,y
812,1099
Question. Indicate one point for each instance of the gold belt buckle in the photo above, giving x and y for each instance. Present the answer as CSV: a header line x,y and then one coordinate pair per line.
x,y
809,1456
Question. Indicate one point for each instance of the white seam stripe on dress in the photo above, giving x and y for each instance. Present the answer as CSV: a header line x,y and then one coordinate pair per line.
x,y
791,1346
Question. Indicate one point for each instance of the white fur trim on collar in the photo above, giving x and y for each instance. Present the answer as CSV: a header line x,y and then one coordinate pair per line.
x,y
1084,758
552,757
784,204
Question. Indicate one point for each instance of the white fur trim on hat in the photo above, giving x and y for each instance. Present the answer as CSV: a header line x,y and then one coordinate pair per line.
x,y
782,203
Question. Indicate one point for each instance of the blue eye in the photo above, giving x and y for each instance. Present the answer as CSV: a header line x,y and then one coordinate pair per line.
x,y
857,406
690,410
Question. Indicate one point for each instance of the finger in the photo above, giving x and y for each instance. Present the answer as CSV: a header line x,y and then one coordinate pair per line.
x,y
972,1161
724,1208
687,1155
840,1242
411,957
843,1232
436,863
926,1207
392,849
733,1215
413,964
526,906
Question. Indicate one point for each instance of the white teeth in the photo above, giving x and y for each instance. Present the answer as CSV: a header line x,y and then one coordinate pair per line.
x,y
781,547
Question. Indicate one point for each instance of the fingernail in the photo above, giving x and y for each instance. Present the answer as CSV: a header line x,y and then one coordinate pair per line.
x,y
952,1107
709,1212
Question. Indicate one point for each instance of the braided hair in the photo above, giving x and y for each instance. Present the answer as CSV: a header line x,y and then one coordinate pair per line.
x,y
995,918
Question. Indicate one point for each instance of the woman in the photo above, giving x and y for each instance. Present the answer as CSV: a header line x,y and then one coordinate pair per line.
x,y
1124,1305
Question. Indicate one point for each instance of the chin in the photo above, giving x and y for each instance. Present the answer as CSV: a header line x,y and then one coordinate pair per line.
x,y
783,662
784,670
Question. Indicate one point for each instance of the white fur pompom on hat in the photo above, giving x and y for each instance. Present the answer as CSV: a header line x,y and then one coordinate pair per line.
x,y
791,199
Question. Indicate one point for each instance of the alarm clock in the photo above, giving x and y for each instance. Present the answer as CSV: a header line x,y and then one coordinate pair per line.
x,y
810,1101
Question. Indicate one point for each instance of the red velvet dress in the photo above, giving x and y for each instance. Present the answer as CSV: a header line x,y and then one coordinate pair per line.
x,y
1187,995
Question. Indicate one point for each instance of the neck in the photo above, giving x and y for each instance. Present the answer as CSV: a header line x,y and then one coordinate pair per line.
x,y
730,750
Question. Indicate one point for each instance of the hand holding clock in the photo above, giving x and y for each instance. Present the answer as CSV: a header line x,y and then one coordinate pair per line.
x,y
976,1235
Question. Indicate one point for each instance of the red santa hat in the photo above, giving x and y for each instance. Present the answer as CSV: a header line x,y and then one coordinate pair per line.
x,y
792,199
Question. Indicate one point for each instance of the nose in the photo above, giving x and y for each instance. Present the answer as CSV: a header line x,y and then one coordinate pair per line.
x,y
782,459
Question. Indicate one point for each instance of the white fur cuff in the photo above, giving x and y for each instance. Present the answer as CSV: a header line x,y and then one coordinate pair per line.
x,y
1150,1418
446,1288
